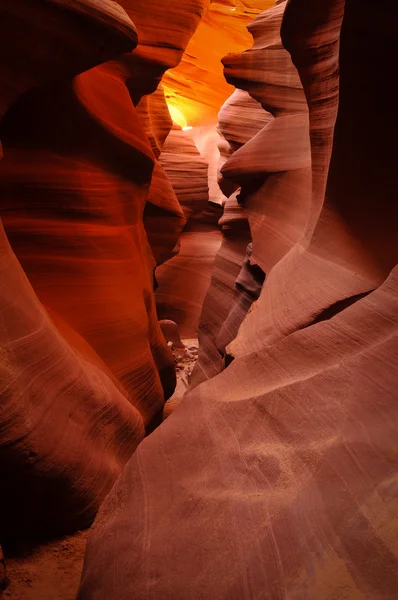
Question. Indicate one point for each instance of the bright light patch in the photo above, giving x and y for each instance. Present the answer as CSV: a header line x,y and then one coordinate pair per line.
x,y
187,128
177,116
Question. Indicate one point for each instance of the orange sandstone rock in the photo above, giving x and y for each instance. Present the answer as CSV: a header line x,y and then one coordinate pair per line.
x,y
85,366
277,478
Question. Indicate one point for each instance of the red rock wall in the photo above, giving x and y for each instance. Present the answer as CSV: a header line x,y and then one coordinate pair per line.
x,y
73,215
187,171
85,366
160,47
219,321
277,478
183,281
265,123
197,87
53,399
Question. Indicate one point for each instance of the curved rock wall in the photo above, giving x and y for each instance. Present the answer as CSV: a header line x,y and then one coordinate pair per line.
x,y
82,34
160,47
265,123
85,367
277,477
197,87
75,178
187,171
184,280
163,216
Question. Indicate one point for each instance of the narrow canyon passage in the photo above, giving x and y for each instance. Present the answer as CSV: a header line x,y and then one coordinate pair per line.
x,y
198,300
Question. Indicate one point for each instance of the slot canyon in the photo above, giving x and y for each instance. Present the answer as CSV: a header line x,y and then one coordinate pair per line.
x,y
198,300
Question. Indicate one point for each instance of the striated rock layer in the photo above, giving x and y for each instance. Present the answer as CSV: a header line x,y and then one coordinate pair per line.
x,y
80,34
196,88
225,305
268,158
187,171
85,367
277,478
184,280
73,215
160,47
53,399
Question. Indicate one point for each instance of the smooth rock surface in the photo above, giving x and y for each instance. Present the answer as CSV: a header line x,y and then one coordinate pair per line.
x,y
85,367
277,478
183,281
54,399
197,87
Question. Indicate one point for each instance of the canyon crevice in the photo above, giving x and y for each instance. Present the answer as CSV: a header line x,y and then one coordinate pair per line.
x,y
213,173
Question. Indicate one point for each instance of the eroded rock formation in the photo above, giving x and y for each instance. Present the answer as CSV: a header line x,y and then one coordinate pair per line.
x,y
265,123
184,280
187,171
277,477
85,367
197,87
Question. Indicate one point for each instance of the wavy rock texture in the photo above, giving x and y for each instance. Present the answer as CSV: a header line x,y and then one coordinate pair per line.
x,y
217,316
241,118
85,366
268,157
197,87
73,218
160,47
155,118
163,216
66,430
187,171
84,33
184,280
194,91
54,402
226,304
273,166
277,478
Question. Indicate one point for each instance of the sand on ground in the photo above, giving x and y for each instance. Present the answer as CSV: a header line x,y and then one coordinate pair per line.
x,y
50,571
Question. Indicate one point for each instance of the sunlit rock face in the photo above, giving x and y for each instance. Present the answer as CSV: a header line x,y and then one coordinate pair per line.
x,y
85,366
194,92
163,216
277,477
197,87
187,171
160,47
